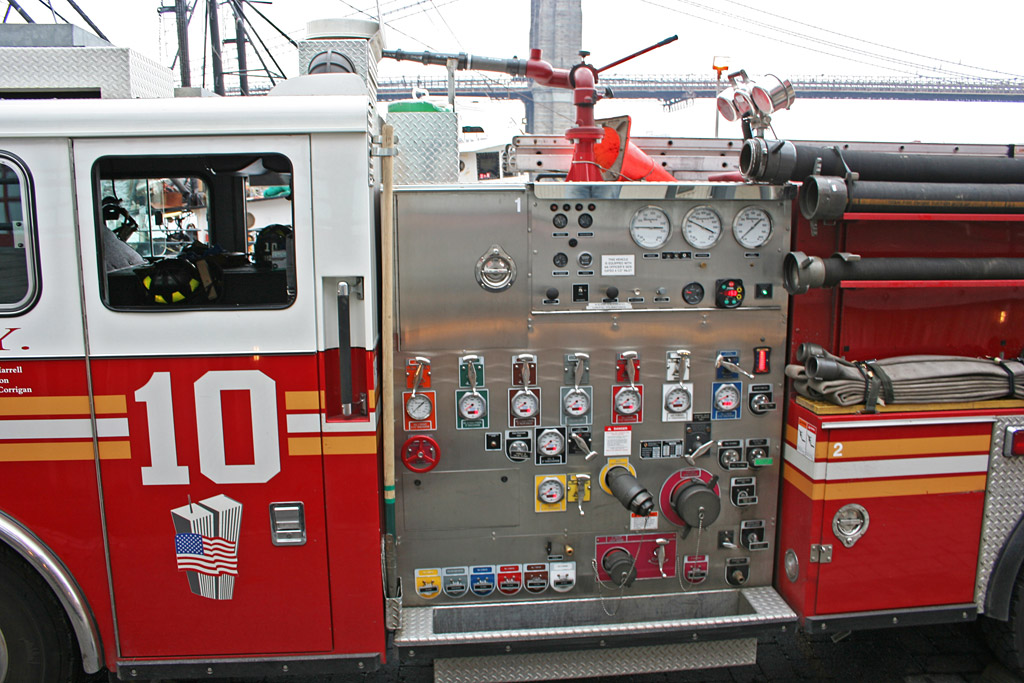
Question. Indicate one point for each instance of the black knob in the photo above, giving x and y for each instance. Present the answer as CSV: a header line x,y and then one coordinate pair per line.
x,y
630,492
620,567
696,502
552,293
612,292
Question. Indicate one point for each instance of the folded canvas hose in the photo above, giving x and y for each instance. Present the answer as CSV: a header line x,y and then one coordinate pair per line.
x,y
904,379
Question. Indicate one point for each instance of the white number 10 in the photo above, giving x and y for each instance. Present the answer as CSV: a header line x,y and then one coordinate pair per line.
x,y
164,468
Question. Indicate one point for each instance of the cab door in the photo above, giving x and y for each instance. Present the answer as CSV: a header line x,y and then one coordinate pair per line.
x,y
198,277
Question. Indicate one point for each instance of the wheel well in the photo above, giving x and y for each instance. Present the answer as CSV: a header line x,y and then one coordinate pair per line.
x,y
1004,574
48,566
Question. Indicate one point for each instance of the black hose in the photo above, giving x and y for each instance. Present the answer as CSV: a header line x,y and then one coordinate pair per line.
x,y
803,272
781,161
829,197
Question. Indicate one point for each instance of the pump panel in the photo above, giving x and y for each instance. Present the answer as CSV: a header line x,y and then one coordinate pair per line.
x,y
623,354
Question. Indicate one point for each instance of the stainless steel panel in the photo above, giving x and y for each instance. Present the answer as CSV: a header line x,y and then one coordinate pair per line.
x,y
441,236
594,663
444,314
473,499
428,147
1002,505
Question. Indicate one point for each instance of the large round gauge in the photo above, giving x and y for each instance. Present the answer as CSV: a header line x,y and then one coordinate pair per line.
x,y
576,403
551,442
472,407
418,407
702,227
727,398
650,228
627,401
752,227
677,400
550,491
525,404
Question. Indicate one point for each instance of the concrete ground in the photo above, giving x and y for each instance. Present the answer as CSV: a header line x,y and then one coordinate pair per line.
x,y
954,653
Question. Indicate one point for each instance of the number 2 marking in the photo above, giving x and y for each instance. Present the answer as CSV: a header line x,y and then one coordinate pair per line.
x,y
837,450
164,468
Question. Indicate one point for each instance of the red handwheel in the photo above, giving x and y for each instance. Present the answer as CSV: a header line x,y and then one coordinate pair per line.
x,y
420,453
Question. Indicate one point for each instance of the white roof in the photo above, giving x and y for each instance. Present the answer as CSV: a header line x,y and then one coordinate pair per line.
x,y
184,116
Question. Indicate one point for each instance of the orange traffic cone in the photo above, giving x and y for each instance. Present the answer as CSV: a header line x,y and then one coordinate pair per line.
x,y
625,162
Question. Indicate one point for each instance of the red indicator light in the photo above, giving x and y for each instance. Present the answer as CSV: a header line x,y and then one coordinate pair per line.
x,y
762,360
1016,438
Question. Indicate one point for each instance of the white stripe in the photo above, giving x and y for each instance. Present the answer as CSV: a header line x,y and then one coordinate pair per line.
x,y
314,423
907,467
63,429
909,423
814,470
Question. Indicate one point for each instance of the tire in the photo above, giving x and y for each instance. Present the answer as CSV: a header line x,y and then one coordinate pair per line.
x,y
36,643
1006,638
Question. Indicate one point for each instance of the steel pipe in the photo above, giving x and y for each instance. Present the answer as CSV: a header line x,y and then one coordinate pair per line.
x,y
803,272
780,161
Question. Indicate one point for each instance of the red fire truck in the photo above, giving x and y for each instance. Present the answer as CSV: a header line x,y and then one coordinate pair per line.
x,y
278,394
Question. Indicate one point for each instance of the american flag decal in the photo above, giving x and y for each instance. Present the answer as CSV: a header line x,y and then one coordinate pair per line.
x,y
206,545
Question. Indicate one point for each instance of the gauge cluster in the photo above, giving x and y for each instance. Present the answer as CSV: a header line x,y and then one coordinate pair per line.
x,y
659,254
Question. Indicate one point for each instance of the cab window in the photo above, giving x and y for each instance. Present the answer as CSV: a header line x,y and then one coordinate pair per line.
x,y
18,264
195,232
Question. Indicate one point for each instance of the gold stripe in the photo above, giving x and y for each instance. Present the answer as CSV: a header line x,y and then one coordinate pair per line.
x,y
315,400
906,487
894,448
802,483
50,451
303,400
332,445
61,405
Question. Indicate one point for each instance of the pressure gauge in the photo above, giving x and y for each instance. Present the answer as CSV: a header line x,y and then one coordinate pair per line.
x,y
627,401
525,404
702,227
752,227
550,491
472,407
677,400
727,398
650,228
551,442
418,407
576,403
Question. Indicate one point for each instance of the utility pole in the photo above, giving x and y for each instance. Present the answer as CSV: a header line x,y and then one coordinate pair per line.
x,y
240,41
181,21
215,45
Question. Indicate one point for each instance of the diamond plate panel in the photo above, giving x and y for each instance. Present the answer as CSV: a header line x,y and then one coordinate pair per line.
x,y
428,147
357,51
1002,505
119,73
547,666
768,608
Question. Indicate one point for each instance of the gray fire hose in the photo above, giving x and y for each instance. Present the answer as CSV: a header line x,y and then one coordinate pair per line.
x,y
905,379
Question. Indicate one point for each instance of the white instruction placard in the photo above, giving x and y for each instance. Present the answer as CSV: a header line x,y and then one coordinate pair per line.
x,y
618,440
639,523
613,265
806,439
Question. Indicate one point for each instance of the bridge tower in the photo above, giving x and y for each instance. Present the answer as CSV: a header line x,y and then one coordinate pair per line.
x,y
556,27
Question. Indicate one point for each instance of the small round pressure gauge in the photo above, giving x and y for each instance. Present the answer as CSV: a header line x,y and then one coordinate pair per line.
x,y
472,407
727,398
627,401
525,404
752,227
650,227
693,293
550,491
576,403
551,442
702,227
418,407
677,400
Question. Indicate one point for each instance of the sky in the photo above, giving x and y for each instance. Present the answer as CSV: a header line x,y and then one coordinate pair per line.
x,y
798,38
